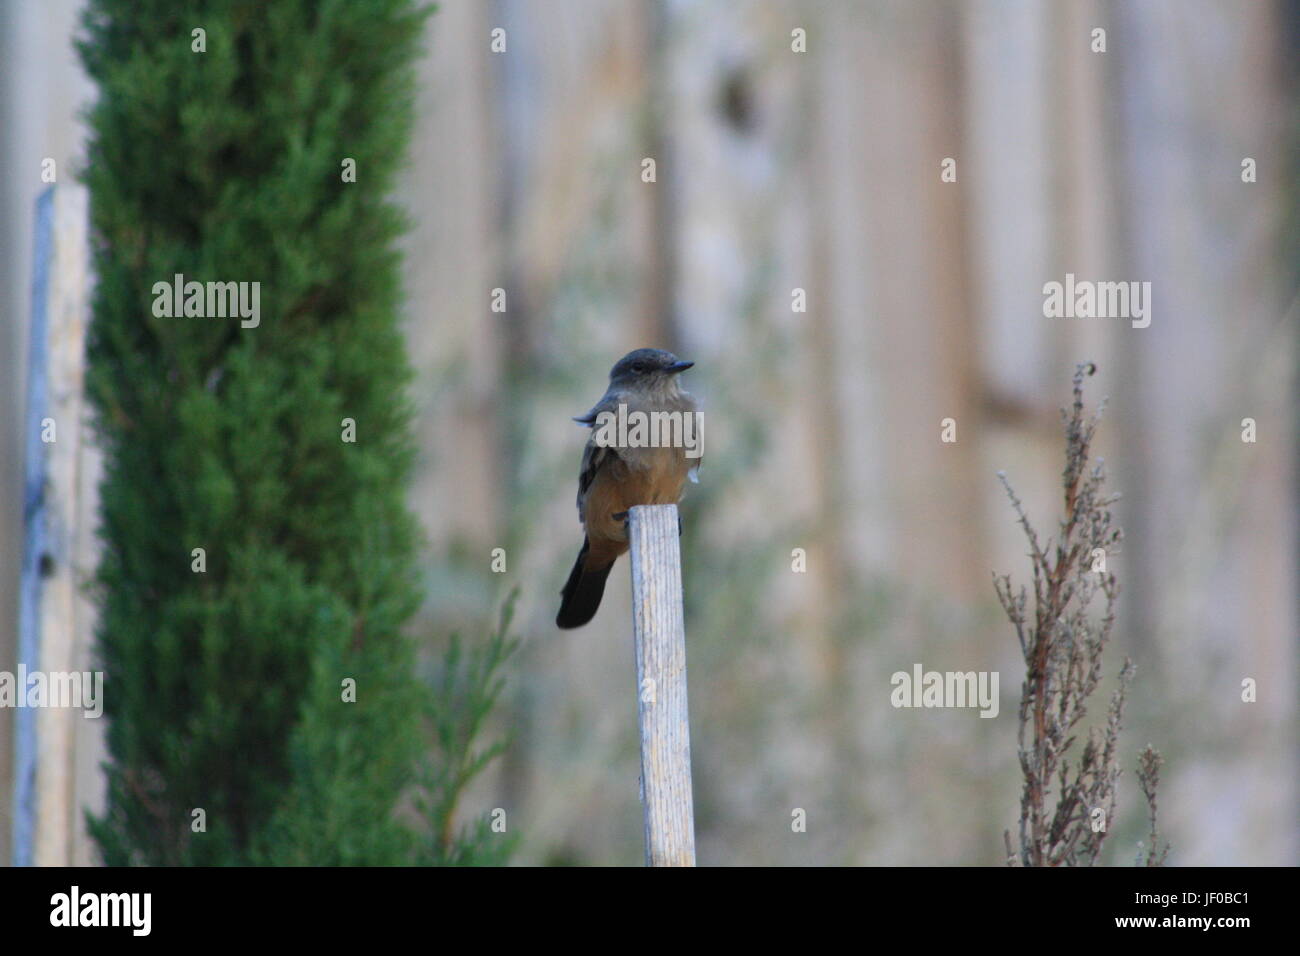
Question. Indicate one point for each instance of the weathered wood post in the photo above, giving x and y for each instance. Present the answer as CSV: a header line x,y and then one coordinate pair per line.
x,y
50,607
659,627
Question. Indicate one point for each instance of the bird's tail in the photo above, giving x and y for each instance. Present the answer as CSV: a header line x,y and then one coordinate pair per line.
x,y
582,592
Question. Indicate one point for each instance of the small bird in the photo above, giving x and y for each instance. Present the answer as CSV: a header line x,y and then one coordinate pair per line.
x,y
614,477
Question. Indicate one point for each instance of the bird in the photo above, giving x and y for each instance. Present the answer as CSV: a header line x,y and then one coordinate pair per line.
x,y
620,473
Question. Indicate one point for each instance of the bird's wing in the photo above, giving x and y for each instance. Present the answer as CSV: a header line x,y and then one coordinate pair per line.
x,y
594,458
608,403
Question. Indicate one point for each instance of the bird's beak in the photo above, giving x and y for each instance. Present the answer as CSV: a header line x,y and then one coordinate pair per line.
x,y
678,367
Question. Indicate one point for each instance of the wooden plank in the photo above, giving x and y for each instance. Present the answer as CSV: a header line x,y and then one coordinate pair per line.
x,y
45,805
659,630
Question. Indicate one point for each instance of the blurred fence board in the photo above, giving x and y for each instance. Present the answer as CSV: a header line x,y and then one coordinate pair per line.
x,y
53,618
1212,566
42,90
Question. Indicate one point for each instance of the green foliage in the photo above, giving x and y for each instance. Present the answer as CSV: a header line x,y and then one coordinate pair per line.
x,y
465,692
224,687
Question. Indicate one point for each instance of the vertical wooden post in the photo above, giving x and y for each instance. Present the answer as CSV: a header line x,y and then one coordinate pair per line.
x,y
45,805
659,628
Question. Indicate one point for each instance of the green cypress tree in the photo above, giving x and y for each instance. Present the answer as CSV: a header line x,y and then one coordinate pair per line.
x,y
220,156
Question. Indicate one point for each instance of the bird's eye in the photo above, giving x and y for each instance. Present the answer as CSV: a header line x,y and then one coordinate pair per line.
x,y
638,367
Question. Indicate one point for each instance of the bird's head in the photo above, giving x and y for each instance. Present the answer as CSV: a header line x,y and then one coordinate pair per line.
x,y
653,368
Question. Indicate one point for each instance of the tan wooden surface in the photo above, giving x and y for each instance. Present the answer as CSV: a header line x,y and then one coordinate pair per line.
x,y
663,717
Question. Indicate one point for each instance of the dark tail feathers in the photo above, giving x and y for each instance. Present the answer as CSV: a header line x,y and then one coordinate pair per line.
x,y
582,592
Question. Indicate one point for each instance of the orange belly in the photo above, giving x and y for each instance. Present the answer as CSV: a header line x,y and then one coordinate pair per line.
x,y
655,477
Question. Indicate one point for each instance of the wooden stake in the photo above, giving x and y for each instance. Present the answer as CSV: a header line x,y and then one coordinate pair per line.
x,y
659,628
45,807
